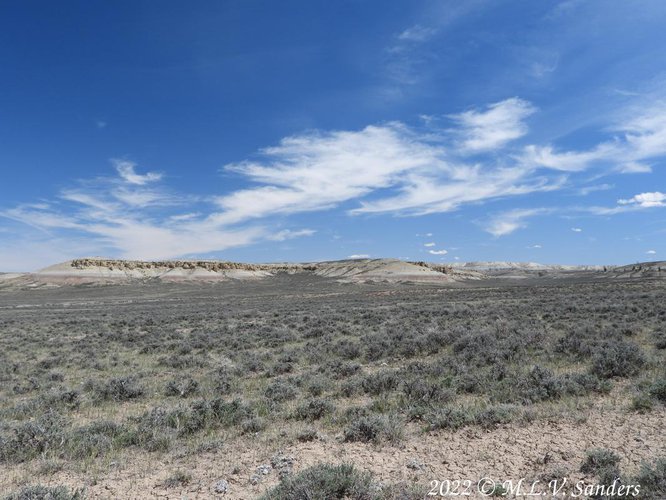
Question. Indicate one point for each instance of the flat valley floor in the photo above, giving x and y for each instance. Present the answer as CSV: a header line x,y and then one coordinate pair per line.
x,y
238,389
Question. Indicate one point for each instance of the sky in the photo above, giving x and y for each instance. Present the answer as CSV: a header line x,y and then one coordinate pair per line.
x,y
252,131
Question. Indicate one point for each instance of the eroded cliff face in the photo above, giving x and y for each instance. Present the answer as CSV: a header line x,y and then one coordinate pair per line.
x,y
102,271
356,265
208,265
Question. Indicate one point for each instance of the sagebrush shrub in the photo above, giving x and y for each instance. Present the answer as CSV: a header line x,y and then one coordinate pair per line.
x,y
314,409
324,481
598,459
117,389
617,359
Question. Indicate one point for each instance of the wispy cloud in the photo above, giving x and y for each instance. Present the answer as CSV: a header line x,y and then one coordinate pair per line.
x,y
121,217
429,244
576,229
417,33
585,190
318,171
287,234
641,201
641,138
437,252
567,161
359,256
126,171
509,221
423,171
385,168
495,126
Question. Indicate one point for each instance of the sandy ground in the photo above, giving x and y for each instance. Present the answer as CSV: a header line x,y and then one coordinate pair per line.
x,y
538,450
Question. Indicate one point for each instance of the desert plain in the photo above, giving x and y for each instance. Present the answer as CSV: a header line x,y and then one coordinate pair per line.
x,y
352,379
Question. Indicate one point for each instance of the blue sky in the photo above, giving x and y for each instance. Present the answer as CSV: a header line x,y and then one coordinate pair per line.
x,y
301,131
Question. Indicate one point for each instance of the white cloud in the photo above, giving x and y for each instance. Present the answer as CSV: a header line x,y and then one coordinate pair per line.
x,y
447,188
108,214
499,124
417,33
384,168
429,244
645,131
576,230
126,171
641,139
318,171
287,234
359,256
535,246
585,190
641,201
633,167
512,220
651,252
646,200
142,197
546,157
437,252
182,217
419,171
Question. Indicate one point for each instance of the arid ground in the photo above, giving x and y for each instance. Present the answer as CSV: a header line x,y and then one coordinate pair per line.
x,y
302,386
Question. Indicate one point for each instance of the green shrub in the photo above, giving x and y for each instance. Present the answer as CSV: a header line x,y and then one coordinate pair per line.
x,y
375,428
252,425
34,438
380,382
450,418
324,482
182,389
598,459
94,440
617,359
494,415
280,390
658,390
117,389
314,409
652,479
641,403
421,391
40,492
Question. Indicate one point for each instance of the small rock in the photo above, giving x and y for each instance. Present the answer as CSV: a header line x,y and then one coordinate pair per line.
x,y
282,463
414,464
264,469
255,479
221,486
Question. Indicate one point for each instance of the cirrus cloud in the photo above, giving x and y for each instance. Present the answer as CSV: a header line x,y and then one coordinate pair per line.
x,y
388,168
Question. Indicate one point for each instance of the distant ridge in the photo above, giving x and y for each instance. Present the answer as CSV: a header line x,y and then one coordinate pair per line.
x,y
98,268
491,265
103,271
